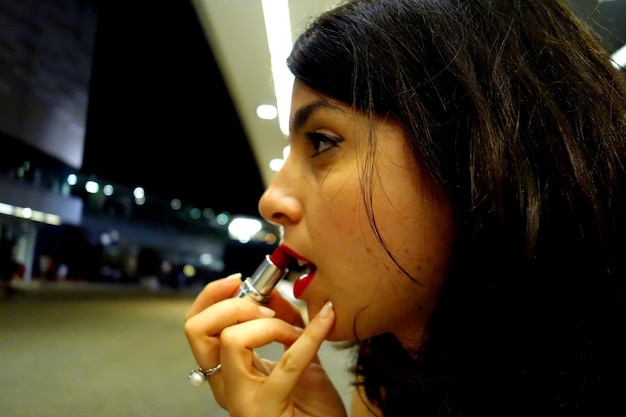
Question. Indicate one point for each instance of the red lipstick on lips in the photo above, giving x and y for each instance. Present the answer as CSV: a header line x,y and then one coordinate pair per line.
x,y
304,280
302,283
260,284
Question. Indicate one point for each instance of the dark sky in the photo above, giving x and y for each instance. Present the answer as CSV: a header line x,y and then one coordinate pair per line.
x,y
154,87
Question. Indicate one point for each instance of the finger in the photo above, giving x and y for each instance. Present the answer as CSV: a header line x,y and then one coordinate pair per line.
x,y
263,364
243,371
203,334
203,329
301,353
213,292
238,355
285,309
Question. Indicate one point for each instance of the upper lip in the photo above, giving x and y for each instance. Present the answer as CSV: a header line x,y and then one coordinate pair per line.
x,y
302,262
292,253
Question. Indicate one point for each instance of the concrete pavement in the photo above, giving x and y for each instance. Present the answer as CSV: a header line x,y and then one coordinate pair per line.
x,y
93,350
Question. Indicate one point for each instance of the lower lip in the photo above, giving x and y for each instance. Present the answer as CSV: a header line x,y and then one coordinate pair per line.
x,y
302,283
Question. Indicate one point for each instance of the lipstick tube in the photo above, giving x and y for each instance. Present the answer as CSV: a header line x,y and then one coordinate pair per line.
x,y
260,284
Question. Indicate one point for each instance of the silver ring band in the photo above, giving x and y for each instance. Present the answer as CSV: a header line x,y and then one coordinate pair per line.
x,y
197,377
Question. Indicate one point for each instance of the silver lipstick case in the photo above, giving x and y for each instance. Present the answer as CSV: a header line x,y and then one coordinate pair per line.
x,y
260,284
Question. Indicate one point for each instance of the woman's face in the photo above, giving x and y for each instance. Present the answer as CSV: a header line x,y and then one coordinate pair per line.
x,y
317,197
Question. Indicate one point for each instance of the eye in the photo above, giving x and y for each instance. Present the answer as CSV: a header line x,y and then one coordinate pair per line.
x,y
322,142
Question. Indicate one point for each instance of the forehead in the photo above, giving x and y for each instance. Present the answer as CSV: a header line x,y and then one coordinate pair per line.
x,y
307,103
303,94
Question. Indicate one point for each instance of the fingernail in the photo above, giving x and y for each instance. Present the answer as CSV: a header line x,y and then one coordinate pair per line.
x,y
298,329
266,311
326,309
232,277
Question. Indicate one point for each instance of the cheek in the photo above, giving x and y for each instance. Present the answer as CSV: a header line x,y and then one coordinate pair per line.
x,y
417,227
341,209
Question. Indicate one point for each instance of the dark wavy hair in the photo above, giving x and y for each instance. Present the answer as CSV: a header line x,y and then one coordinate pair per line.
x,y
514,109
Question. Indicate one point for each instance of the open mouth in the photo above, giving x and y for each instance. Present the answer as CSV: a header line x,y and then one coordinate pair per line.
x,y
300,268
306,273
303,269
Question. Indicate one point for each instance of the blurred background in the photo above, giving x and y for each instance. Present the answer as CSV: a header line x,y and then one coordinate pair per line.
x,y
136,141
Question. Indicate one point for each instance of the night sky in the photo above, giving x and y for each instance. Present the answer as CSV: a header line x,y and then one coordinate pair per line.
x,y
154,87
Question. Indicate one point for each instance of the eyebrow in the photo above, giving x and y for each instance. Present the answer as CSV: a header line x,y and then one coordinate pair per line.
x,y
303,114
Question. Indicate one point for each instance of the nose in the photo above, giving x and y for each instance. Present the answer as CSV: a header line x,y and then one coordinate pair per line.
x,y
280,203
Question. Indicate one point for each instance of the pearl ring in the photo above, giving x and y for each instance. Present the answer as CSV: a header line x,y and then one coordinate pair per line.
x,y
198,377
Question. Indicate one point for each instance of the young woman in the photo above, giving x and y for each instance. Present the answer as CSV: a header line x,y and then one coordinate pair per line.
x,y
456,188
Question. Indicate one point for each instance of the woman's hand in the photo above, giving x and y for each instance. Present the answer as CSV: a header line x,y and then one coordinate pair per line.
x,y
227,330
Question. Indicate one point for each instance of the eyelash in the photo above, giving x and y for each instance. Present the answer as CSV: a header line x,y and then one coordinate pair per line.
x,y
316,139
